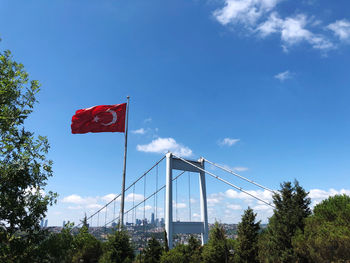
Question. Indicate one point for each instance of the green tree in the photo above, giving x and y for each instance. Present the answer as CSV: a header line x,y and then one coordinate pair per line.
x,y
326,236
86,248
247,241
176,255
194,250
217,249
57,247
190,253
153,251
291,209
118,248
24,168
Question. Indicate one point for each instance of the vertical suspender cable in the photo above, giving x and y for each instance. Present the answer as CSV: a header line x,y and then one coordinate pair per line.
x,y
144,203
98,218
106,219
133,204
189,196
113,209
154,202
176,199
156,215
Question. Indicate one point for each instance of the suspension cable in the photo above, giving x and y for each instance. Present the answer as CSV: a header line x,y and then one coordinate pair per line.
x,y
226,182
117,196
240,176
147,197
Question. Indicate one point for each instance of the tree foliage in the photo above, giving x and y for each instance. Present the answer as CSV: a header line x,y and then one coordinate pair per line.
x,y
24,168
326,236
176,255
190,253
153,251
57,247
217,249
247,241
118,248
86,248
291,209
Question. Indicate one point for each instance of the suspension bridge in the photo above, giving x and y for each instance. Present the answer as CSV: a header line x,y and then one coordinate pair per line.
x,y
162,203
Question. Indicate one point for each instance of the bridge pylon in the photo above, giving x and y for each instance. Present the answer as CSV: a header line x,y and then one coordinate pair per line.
x,y
171,227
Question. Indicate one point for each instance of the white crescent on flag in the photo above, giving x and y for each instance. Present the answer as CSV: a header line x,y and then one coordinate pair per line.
x,y
114,120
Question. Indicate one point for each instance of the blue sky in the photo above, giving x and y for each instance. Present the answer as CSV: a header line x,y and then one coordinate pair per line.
x,y
270,76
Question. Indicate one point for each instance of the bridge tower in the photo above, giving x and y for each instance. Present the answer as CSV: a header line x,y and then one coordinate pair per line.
x,y
171,227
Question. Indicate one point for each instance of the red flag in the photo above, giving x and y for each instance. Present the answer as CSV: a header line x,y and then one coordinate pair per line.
x,y
102,118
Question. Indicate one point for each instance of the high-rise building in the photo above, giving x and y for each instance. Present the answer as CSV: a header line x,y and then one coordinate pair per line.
x,y
152,219
64,223
42,223
45,223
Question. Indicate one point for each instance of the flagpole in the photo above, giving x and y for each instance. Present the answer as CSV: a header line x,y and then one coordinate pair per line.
x,y
121,222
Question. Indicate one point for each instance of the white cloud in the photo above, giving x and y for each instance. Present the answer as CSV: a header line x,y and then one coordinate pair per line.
x,y
262,207
323,194
146,208
246,12
228,141
163,145
341,28
234,207
94,206
74,199
139,131
75,207
262,17
147,120
293,31
271,25
109,197
213,201
283,75
134,197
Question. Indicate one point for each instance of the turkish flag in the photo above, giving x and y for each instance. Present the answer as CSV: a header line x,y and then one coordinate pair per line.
x,y
102,118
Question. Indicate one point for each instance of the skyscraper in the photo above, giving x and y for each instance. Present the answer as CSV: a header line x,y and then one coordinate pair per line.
x,y
152,219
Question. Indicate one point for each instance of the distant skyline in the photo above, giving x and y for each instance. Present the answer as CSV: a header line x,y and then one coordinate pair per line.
x,y
260,86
